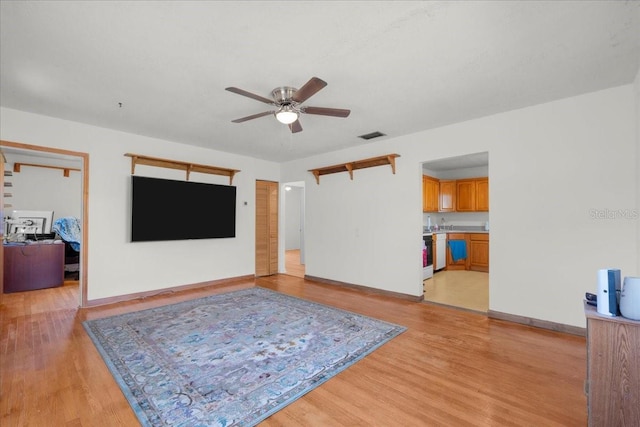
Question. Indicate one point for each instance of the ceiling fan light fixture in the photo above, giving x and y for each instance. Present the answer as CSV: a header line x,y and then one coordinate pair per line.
x,y
286,115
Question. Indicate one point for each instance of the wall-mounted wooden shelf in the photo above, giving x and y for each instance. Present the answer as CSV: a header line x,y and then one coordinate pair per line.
x,y
137,159
389,159
65,171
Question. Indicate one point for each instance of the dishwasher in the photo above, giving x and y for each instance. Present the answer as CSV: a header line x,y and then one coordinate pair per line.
x,y
441,251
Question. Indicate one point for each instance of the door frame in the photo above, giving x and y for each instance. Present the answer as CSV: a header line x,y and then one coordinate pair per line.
x,y
84,221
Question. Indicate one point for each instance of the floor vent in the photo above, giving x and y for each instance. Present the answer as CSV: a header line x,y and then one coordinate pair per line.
x,y
372,135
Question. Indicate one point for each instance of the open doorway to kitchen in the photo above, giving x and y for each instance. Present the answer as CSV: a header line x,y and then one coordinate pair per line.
x,y
456,214
294,253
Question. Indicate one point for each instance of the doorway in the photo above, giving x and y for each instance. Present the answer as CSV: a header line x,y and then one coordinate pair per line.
x,y
83,161
293,228
266,228
465,283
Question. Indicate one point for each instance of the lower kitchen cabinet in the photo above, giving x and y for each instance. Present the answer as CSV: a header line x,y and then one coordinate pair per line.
x,y
478,252
461,264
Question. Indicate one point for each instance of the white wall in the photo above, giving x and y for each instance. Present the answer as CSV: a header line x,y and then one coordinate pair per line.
x,y
637,95
475,219
116,266
570,159
44,189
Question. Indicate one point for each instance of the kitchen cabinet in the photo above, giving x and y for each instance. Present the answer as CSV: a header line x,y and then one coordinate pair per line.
x,y
478,251
472,195
462,195
430,190
461,264
447,196
482,194
465,195
613,370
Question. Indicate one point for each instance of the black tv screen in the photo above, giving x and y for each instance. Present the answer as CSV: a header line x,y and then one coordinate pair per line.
x,y
164,209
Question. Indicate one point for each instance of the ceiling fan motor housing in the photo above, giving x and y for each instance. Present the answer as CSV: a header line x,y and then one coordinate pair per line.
x,y
282,95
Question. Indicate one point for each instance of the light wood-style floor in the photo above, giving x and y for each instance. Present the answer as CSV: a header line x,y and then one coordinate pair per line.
x,y
450,368
292,263
459,288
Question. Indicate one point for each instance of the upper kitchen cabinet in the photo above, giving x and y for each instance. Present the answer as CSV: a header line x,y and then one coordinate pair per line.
x,y
465,195
482,194
447,196
430,192
472,195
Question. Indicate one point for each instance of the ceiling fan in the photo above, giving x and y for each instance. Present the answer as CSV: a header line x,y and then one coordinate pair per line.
x,y
288,100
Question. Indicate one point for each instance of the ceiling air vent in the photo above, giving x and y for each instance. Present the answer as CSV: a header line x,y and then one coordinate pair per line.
x,y
372,135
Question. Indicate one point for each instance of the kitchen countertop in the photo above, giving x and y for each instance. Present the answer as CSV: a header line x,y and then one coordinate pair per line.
x,y
467,229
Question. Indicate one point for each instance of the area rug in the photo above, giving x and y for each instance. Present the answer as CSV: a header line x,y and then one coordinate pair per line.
x,y
231,359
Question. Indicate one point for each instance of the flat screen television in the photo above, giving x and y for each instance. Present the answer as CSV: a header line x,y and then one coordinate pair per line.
x,y
164,209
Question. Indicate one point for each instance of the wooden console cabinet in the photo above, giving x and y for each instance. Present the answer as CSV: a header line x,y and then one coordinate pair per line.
x,y
33,266
613,370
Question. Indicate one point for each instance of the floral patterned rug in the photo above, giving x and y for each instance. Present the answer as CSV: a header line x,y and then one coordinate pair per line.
x,y
231,359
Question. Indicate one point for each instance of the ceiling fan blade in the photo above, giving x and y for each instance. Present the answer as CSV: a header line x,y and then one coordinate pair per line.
x,y
250,95
255,116
334,112
295,127
309,89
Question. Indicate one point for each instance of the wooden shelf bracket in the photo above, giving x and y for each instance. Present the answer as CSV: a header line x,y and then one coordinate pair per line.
x,y
388,159
65,171
137,159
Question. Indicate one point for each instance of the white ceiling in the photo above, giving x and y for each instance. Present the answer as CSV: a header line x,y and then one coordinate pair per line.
x,y
401,67
460,162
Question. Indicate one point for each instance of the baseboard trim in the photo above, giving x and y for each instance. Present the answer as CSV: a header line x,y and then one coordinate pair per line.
x,y
366,289
171,290
544,324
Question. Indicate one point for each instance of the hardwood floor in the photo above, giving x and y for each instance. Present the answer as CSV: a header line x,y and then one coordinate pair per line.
x,y
459,288
450,368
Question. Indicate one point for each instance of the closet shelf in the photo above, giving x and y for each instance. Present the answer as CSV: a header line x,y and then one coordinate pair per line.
x,y
65,171
388,159
137,159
